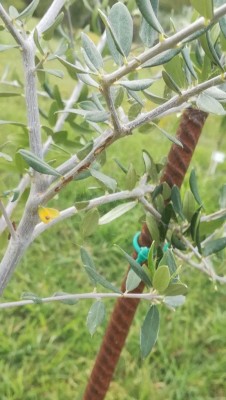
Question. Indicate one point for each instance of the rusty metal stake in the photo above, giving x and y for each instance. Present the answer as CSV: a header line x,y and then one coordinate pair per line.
x,y
188,133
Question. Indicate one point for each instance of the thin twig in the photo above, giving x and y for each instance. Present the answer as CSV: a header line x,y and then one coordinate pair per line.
x,y
216,215
137,193
200,266
11,27
167,44
110,103
7,220
149,207
12,205
93,295
175,102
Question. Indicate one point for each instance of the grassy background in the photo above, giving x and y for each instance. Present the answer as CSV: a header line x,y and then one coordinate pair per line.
x,y
46,351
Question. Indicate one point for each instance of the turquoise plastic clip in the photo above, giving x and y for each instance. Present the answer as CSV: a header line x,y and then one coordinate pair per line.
x,y
142,251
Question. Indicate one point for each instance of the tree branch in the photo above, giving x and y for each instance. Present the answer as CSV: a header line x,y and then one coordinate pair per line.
x,y
201,267
11,27
110,136
167,44
114,116
93,295
137,193
50,16
11,205
174,102
65,167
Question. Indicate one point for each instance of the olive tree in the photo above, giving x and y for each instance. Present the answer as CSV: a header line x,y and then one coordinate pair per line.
x,y
190,78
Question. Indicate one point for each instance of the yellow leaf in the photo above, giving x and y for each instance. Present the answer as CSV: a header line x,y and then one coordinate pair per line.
x,y
47,214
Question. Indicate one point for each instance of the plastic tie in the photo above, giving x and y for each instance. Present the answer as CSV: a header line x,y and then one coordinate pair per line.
x,y
142,251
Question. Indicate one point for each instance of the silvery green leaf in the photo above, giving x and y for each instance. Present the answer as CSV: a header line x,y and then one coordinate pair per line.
x,y
88,80
90,222
132,281
213,51
131,178
16,194
153,227
134,111
29,10
122,24
137,268
194,187
209,104
163,58
118,95
93,116
97,102
213,246
119,38
97,116
111,37
92,52
168,259
37,43
13,12
176,289
117,212
54,72
169,81
149,331
13,123
161,278
176,201
9,94
135,96
170,137
186,55
94,275
135,85
174,301
4,47
189,205
37,163
216,92
155,99
5,156
72,68
149,35
95,316
109,182
86,258
48,33
148,13
222,23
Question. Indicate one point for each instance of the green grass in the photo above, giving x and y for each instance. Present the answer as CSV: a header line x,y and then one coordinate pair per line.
x,y
46,351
